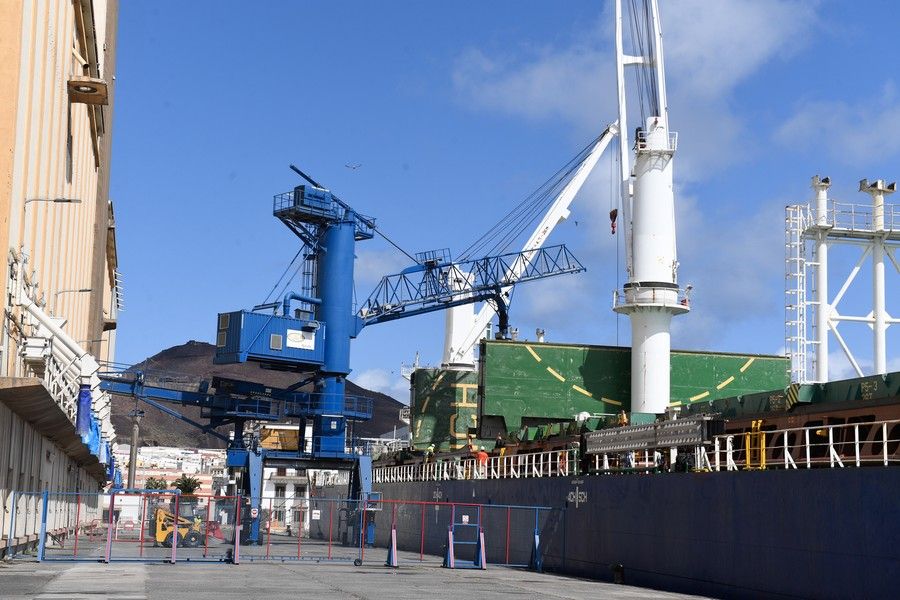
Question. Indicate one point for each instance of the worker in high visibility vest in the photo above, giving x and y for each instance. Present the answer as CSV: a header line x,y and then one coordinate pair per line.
x,y
482,458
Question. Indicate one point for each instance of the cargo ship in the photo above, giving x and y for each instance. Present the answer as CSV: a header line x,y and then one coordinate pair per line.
x,y
781,493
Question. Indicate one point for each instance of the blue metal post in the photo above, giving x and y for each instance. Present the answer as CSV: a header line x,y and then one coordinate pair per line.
x,y
10,544
255,474
42,542
335,289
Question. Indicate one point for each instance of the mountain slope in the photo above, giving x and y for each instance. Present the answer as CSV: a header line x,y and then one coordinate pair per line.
x,y
187,364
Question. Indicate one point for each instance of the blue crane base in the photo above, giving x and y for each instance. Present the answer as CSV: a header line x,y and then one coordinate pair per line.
x,y
253,463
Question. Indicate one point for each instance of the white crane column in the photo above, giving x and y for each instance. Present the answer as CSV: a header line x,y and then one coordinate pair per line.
x,y
821,185
879,313
651,296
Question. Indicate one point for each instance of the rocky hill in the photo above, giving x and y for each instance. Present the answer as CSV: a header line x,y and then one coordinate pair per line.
x,y
189,363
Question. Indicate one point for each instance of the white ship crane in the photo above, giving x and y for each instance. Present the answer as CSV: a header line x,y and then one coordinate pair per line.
x,y
464,328
651,295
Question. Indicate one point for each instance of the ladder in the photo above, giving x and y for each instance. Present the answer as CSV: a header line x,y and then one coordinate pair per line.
x,y
795,305
755,446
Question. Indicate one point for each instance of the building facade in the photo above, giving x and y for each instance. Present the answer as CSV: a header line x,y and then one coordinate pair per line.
x,y
59,284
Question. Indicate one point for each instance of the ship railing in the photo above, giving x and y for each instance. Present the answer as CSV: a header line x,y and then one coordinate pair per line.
x,y
850,217
838,445
626,462
552,463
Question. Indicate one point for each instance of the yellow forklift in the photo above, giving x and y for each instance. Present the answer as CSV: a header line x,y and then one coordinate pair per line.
x,y
189,528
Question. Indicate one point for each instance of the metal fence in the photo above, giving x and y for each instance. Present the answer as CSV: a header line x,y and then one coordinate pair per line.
x,y
165,526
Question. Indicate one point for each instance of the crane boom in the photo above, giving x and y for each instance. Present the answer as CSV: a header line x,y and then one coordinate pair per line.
x,y
439,284
474,326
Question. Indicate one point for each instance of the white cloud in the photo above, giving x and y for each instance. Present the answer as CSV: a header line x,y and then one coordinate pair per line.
x,y
734,264
710,48
386,382
839,366
854,134
554,83
373,264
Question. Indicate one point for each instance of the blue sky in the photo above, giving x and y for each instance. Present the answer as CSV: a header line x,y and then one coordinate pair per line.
x,y
456,111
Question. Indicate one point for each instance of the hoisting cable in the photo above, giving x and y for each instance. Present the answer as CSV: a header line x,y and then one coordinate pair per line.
x,y
367,222
499,237
509,227
616,197
642,45
392,243
288,268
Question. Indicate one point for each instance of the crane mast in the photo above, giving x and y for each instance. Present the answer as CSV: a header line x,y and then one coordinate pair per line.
x,y
651,296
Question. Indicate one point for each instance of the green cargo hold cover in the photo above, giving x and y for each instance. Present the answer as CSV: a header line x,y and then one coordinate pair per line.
x,y
526,383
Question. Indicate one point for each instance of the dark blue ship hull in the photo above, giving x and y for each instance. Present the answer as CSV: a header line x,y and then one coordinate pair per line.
x,y
820,533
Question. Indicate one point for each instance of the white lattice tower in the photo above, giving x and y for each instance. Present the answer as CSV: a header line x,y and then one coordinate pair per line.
x,y
810,230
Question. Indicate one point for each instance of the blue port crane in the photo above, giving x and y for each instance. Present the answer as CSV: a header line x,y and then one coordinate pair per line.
x,y
310,331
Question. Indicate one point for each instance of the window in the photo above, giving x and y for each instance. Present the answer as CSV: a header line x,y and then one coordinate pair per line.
x,y
275,341
281,471
279,491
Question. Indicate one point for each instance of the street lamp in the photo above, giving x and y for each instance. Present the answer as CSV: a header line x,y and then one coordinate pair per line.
x,y
74,290
136,416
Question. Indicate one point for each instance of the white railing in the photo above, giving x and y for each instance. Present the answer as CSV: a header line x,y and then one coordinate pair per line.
x,y
644,460
850,217
849,445
807,447
554,463
861,217
377,446
643,145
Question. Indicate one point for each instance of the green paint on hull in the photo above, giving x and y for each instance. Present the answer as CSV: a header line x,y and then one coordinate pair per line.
x,y
444,408
533,384
530,384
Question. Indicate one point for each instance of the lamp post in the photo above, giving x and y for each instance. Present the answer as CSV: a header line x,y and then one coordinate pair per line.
x,y
135,415
74,290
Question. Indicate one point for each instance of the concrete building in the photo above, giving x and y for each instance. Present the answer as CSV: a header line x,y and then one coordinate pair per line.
x,y
169,463
59,284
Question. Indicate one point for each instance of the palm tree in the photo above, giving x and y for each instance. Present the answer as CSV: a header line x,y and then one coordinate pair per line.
x,y
154,483
188,485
